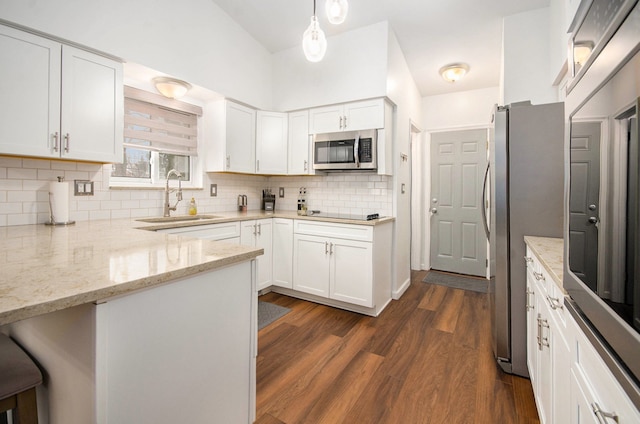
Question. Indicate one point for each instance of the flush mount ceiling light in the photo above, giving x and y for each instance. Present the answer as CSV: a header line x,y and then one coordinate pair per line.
x,y
336,11
455,72
314,43
171,87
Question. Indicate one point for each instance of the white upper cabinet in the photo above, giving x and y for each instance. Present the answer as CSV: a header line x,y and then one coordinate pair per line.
x,y
59,101
368,114
271,143
233,143
299,144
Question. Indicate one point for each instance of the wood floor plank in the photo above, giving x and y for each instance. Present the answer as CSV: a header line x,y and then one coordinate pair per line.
x,y
426,359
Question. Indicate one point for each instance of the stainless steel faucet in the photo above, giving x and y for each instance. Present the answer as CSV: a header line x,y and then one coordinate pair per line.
x,y
167,205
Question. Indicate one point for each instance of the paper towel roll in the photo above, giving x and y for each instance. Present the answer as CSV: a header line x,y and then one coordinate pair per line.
x,y
59,197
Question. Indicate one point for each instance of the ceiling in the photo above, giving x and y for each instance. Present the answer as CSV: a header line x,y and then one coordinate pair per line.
x,y
431,33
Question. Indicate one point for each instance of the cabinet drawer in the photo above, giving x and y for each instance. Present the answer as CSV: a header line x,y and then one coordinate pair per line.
x,y
208,232
328,229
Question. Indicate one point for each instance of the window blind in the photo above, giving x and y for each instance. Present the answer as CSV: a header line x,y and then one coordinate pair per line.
x,y
150,126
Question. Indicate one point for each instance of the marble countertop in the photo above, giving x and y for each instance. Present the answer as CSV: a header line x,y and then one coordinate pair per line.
x,y
45,269
220,217
550,251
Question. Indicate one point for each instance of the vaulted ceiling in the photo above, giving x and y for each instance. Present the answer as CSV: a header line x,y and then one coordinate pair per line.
x,y
431,33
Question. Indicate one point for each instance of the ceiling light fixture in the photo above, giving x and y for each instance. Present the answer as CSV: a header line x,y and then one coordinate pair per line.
x,y
314,43
171,87
455,72
336,11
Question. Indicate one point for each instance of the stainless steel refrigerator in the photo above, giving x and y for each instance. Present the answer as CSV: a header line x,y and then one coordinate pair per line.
x,y
525,184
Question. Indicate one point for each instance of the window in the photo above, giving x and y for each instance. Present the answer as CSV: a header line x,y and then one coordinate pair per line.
x,y
159,135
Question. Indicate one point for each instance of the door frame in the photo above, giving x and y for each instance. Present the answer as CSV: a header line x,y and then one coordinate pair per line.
x,y
422,192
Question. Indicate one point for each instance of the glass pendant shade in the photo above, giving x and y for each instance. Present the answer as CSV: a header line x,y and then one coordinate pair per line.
x,y
336,10
314,43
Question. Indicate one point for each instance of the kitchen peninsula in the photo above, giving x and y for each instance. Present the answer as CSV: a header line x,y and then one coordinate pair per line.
x,y
131,325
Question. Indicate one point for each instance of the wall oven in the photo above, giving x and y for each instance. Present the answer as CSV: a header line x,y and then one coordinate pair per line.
x,y
602,190
346,151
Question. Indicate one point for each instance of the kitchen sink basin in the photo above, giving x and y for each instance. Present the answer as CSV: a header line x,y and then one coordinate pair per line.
x,y
179,218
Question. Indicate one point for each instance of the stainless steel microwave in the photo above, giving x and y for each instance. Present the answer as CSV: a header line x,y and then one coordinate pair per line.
x,y
346,151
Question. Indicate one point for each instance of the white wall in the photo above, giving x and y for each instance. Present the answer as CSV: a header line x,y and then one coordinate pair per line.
x,y
402,90
354,68
193,40
462,110
527,68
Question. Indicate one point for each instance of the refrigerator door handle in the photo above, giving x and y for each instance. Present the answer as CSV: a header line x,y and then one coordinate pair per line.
x,y
484,201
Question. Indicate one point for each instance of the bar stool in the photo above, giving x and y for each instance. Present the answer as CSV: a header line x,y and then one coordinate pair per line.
x,y
19,377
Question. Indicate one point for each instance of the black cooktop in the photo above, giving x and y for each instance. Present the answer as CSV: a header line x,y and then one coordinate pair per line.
x,y
353,217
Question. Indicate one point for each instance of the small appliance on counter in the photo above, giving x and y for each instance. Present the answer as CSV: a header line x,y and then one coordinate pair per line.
x,y
268,200
242,202
302,201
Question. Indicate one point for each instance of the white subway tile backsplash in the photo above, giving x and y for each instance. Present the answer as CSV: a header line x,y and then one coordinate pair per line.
x,y
24,188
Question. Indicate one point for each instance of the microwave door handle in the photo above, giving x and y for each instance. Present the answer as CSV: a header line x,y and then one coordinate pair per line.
x,y
356,150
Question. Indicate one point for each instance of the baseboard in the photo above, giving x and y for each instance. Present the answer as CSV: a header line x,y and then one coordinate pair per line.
x,y
397,294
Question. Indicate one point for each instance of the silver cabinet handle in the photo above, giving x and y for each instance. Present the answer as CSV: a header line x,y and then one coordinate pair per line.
x,y
539,276
331,248
306,165
228,161
529,306
544,341
341,122
528,260
66,142
259,229
539,335
554,302
326,247
258,165
255,229
55,142
602,415
345,122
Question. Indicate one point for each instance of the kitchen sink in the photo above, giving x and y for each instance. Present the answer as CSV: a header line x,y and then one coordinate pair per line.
x,y
178,218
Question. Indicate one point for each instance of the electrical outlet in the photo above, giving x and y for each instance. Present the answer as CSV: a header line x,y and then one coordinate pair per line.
x,y
281,192
82,188
213,192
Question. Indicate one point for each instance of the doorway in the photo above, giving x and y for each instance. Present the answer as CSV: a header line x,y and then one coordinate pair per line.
x,y
458,242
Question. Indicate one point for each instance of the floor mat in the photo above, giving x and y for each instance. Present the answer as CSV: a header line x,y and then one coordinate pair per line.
x,y
269,312
457,281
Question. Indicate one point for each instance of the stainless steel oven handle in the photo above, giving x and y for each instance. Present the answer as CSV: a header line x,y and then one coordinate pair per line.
x,y
601,415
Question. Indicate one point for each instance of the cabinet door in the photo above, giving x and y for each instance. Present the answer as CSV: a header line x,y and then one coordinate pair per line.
x,y
351,272
283,252
240,138
326,119
581,411
264,239
311,264
364,115
532,329
271,143
299,143
30,100
545,366
92,107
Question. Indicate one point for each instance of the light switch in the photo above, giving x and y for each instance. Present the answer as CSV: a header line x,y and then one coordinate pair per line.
x,y
281,192
213,190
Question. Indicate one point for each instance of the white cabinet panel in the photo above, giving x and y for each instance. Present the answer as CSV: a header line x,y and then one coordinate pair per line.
x,y
351,273
30,87
259,233
283,252
363,115
240,138
299,144
59,101
271,143
311,258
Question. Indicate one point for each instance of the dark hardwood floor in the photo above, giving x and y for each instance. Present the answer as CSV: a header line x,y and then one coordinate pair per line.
x,y
426,359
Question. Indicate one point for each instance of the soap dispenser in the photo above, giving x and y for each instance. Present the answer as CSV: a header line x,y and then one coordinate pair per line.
x,y
193,209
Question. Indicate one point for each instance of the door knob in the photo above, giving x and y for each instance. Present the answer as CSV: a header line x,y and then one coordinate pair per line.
x,y
593,220
434,210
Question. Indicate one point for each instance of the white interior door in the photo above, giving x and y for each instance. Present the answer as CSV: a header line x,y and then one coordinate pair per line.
x,y
458,241
584,206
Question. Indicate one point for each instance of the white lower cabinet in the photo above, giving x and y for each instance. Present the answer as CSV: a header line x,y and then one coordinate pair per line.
x,y
283,252
570,380
259,233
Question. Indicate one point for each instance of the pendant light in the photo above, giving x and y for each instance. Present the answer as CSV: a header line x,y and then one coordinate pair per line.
x,y
336,11
314,43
